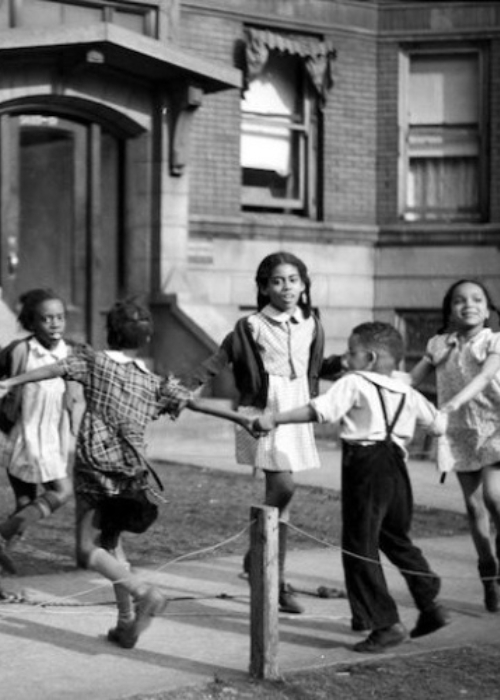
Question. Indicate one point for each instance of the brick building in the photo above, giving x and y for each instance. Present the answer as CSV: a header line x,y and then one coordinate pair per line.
x,y
362,135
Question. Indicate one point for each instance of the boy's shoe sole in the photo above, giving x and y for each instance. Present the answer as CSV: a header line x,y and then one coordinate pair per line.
x,y
382,639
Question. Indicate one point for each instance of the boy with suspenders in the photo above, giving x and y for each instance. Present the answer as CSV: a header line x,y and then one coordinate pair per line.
x,y
377,411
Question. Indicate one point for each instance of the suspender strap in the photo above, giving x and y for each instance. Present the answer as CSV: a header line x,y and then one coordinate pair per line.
x,y
389,427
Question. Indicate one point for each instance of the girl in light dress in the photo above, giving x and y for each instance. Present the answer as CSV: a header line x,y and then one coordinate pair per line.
x,y
276,355
38,422
466,357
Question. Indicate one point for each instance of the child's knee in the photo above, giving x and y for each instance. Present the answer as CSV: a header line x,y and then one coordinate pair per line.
x,y
60,491
84,550
51,501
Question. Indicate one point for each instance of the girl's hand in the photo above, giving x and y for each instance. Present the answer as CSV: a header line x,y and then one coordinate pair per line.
x,y
264,424
4,389
449,407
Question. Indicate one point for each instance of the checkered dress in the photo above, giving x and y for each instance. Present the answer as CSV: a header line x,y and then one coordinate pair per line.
x,y
122,397
284,344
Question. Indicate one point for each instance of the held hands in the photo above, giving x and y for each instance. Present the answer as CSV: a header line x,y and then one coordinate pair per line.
x,y
448,407
178,396
4,388
263,425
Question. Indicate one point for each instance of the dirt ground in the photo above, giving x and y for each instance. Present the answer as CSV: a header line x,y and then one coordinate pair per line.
x,y
199,513
469,673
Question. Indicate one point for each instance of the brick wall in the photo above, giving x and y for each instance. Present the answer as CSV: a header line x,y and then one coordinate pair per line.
x,y
387,133
214,150
494,151
350,132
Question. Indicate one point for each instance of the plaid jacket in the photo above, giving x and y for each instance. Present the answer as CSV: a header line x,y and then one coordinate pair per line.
x,y
122,398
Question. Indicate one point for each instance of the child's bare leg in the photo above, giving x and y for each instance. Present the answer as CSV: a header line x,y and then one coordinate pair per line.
x,y
148,601
478,517
55,495
491,492
112,542
280,487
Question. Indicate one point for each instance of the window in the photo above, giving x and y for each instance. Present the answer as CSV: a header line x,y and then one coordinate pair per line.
x,y
278,138
287,78
138,18
442,162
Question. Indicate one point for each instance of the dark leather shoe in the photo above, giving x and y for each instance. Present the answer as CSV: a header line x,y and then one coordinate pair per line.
x,y
288,602
382,639
123,635
430,621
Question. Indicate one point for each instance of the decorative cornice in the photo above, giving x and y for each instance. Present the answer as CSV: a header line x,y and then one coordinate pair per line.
x,y
283,228
386,20
440,235
276,228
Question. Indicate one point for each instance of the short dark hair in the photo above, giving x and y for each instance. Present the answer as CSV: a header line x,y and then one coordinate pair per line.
x,y
129,324
377,335
29,303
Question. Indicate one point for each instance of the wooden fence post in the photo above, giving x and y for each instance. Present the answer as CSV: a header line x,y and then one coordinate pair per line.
x,y
264,634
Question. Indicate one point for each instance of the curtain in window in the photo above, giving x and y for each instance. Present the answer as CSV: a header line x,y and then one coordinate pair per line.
x,y
443,187
317,56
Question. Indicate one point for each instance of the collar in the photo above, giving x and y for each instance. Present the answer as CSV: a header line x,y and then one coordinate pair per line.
x,y
283,316
122,359
396,382
58,353
454,339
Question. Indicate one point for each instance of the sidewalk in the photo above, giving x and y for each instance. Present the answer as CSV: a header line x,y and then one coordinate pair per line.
x,y
55,648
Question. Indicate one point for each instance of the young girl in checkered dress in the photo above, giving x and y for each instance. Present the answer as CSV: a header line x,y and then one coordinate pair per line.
x,y
122,396
276,355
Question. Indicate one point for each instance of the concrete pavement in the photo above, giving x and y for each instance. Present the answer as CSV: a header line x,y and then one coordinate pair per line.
x,y
53,646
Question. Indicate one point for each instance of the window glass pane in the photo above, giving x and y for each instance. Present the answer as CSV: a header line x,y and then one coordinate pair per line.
x,y
79,14
275,90
134,21
38,13
273,136
443,188
444,89
443,138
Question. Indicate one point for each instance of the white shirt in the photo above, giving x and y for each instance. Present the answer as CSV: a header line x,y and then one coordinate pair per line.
x,y
354,401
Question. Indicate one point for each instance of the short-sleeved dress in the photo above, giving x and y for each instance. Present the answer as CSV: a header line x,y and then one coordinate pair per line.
x,y
122,396
284,342
40,446
472,440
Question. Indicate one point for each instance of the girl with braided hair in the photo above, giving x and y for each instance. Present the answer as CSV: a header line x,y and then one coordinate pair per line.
x,y
38,423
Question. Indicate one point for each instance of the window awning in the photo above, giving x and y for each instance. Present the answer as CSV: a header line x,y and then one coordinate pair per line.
x,y
317,54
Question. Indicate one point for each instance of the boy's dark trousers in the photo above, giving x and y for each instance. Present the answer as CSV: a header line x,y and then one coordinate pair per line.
x,y
377,508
